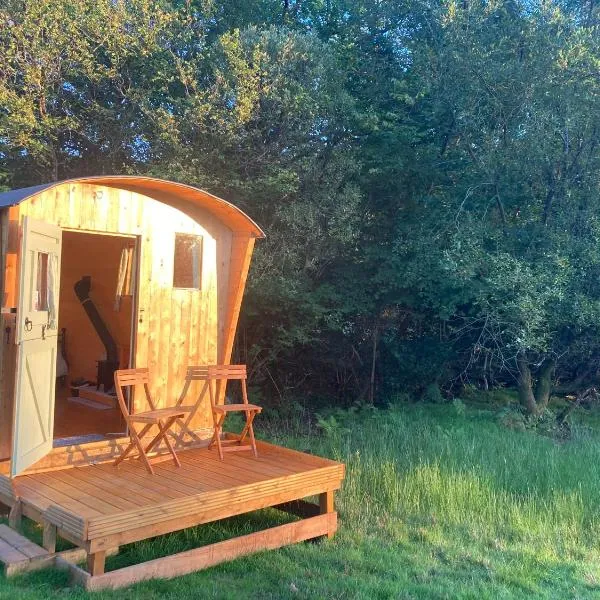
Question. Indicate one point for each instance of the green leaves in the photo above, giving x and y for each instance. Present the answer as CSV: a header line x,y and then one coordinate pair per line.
x,y
512,212
428,175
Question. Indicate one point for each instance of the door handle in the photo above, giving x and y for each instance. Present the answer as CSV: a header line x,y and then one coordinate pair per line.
x,y
28,324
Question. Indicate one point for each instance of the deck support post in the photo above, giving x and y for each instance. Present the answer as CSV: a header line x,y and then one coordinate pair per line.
x,y
326,506
15,516
95,562
49,537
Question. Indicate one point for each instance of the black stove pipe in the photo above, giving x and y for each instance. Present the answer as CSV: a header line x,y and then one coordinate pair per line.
x,y
82,289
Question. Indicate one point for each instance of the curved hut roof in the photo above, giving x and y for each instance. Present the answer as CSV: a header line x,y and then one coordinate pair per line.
x,y
168,192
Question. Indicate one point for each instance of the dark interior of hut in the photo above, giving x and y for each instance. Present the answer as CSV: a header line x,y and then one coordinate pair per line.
x,y
96,302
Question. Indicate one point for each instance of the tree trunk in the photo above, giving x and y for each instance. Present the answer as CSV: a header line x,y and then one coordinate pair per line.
x,y
526,396
486,385
537,402
373,364
544,384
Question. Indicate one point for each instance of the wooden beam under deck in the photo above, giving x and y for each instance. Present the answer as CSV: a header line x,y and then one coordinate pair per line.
x,y
189,561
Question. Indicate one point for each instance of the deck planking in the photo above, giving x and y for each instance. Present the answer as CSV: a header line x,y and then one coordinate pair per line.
x,y
100,507
119,502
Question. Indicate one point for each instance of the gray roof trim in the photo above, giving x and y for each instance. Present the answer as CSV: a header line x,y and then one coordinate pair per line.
x,y
15,197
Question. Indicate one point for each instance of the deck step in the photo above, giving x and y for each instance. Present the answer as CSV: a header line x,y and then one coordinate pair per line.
x,y
17,553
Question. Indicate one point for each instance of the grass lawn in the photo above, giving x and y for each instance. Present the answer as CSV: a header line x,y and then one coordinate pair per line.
x,y
439,502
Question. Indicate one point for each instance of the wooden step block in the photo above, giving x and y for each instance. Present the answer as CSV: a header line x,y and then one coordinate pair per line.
x,y
91,393
17,552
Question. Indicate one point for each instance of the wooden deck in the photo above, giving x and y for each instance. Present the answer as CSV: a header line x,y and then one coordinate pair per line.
x,y
100,507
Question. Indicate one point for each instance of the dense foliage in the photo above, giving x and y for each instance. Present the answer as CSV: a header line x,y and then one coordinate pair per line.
x,y
428,173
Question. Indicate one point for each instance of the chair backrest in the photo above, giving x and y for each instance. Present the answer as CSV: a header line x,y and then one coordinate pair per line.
x,y
132,378
227,372
221,374
195,373
218,373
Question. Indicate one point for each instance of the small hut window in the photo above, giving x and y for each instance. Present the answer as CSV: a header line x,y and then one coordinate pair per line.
x,y
40,291
187,268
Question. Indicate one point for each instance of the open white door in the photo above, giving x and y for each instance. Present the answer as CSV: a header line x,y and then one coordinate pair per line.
x,y
36,336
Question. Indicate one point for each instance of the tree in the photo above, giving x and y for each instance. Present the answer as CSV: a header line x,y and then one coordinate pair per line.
x,y
513,201
83,85
427,173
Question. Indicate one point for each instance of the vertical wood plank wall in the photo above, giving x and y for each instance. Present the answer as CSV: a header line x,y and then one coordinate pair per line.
x,y
9,243
175,327
241,253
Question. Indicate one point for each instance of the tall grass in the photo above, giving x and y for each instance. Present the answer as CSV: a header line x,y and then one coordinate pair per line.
x,y
438,502
431,465
453,493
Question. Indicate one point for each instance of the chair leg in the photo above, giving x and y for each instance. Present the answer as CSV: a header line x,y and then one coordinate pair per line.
x,y
165,431
124,454
251,432
155,439
184,429
245,430
215,423
132,444
213,441
215,419
248,429
138,442
184,424
145,460
218,424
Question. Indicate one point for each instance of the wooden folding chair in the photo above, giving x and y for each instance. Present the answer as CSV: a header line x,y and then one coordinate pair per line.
x,y
199,373
221,374
163,418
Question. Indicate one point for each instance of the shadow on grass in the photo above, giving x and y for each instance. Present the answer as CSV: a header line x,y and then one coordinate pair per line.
x,y
196,537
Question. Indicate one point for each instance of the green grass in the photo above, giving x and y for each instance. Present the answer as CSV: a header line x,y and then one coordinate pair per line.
x,y
438,502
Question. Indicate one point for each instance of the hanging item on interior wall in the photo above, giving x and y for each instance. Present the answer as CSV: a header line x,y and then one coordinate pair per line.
x,y
126,274
53,291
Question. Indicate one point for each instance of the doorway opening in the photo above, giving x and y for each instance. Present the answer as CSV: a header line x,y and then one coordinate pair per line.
x,y
96,334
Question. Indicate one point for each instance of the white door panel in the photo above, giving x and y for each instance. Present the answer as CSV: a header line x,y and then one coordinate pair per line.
x,y
37,328
34,408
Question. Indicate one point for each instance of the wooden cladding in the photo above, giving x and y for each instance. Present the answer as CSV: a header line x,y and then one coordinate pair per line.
x,y
179,252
